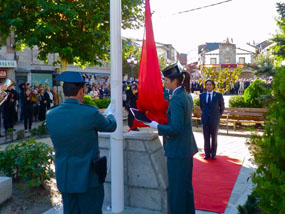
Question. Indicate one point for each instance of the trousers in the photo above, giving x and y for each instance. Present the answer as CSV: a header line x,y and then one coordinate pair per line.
x,y
89,202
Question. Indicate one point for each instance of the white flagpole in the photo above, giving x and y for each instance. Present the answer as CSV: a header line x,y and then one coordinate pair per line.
x,y
117,157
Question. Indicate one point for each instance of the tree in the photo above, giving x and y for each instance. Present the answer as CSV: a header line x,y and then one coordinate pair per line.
x,y
268,149
78,30
264,65
223,78
279,38
130,49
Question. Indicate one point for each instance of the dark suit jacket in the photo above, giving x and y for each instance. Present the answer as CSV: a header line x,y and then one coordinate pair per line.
x,y
211,111
180,142
73,128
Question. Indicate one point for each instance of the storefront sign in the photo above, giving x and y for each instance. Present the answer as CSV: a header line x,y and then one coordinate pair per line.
x,y
3,73
8,64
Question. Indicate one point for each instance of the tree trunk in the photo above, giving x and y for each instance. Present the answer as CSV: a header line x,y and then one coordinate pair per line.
x,y
63,67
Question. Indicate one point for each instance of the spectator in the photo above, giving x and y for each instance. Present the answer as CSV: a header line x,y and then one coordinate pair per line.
x,y
55,96
43,105
48,97
28,109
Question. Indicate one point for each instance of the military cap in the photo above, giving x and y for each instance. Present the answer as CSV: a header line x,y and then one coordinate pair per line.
x,y
172,70
70,76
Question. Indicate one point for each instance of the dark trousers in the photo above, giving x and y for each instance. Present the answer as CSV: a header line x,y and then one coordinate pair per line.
x,y
180,189
90,202
210,132
9,119
28,118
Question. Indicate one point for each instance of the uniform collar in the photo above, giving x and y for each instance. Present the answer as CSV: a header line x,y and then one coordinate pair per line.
x,y
71,100
176,89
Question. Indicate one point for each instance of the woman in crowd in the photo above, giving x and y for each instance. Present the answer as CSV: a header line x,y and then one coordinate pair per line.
x,y
55,96
132,103
28,109
43,105
94,93
180,143
36,104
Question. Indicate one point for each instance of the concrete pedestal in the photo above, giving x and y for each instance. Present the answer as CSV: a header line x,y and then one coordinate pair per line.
x,y
5,188
145,171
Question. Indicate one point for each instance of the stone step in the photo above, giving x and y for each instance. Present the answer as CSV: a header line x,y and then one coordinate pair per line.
x,y
5,188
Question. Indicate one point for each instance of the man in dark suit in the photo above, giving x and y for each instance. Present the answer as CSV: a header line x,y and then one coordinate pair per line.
x,y
73,128
212,107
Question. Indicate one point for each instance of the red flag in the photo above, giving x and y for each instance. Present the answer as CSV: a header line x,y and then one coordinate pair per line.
x,y
150,91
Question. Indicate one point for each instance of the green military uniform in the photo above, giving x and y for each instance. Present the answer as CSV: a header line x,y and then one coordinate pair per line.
x,y
73,128
179,150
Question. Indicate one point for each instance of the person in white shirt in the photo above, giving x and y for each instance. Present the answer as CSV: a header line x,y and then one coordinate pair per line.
x,y
94,93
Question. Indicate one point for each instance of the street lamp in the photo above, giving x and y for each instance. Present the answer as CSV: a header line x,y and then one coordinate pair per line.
x,y
132,61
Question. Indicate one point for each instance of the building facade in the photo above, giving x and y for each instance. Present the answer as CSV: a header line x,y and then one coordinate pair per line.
x,y
24,66
226,55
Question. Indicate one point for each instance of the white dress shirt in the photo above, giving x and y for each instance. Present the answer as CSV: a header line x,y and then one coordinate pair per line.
x,y
211,96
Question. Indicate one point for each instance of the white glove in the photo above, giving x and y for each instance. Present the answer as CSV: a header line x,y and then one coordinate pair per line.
x,y
110,109
152,124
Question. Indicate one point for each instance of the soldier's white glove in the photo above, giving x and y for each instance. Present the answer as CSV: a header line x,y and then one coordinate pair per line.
x,y
152,124
110,109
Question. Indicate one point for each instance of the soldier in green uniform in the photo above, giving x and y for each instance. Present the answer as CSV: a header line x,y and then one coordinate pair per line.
x,y
180,143
73,128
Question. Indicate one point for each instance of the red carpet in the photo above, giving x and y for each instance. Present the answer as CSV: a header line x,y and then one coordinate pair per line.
x,y
213,182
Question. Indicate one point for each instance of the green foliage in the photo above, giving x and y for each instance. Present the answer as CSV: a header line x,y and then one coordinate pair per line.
x,y
279,39
10,134
254,92
196,102
100,103
264,65
20,134
268,151
79,31
40,130
28,160
223,78
250,206
88,100
130,49
237,102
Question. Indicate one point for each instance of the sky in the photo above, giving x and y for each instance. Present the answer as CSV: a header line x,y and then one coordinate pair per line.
x,y
241,20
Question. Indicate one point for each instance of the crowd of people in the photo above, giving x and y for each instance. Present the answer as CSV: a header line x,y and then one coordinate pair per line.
x,y
97,91
29,105
236,88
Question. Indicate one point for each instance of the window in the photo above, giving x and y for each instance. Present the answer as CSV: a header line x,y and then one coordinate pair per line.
x,y
241,60
213,61
227,60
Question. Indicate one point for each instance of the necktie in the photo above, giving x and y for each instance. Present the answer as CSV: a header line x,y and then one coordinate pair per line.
x,y
209,98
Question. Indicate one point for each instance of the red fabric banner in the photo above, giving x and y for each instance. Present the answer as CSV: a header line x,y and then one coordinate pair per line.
x,y
150,91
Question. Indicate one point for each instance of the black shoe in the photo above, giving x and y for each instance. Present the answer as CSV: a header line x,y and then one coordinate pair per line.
x,y
206,157
214,158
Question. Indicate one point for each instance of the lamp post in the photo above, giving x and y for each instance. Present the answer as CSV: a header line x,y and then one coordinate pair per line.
x,y
132,61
